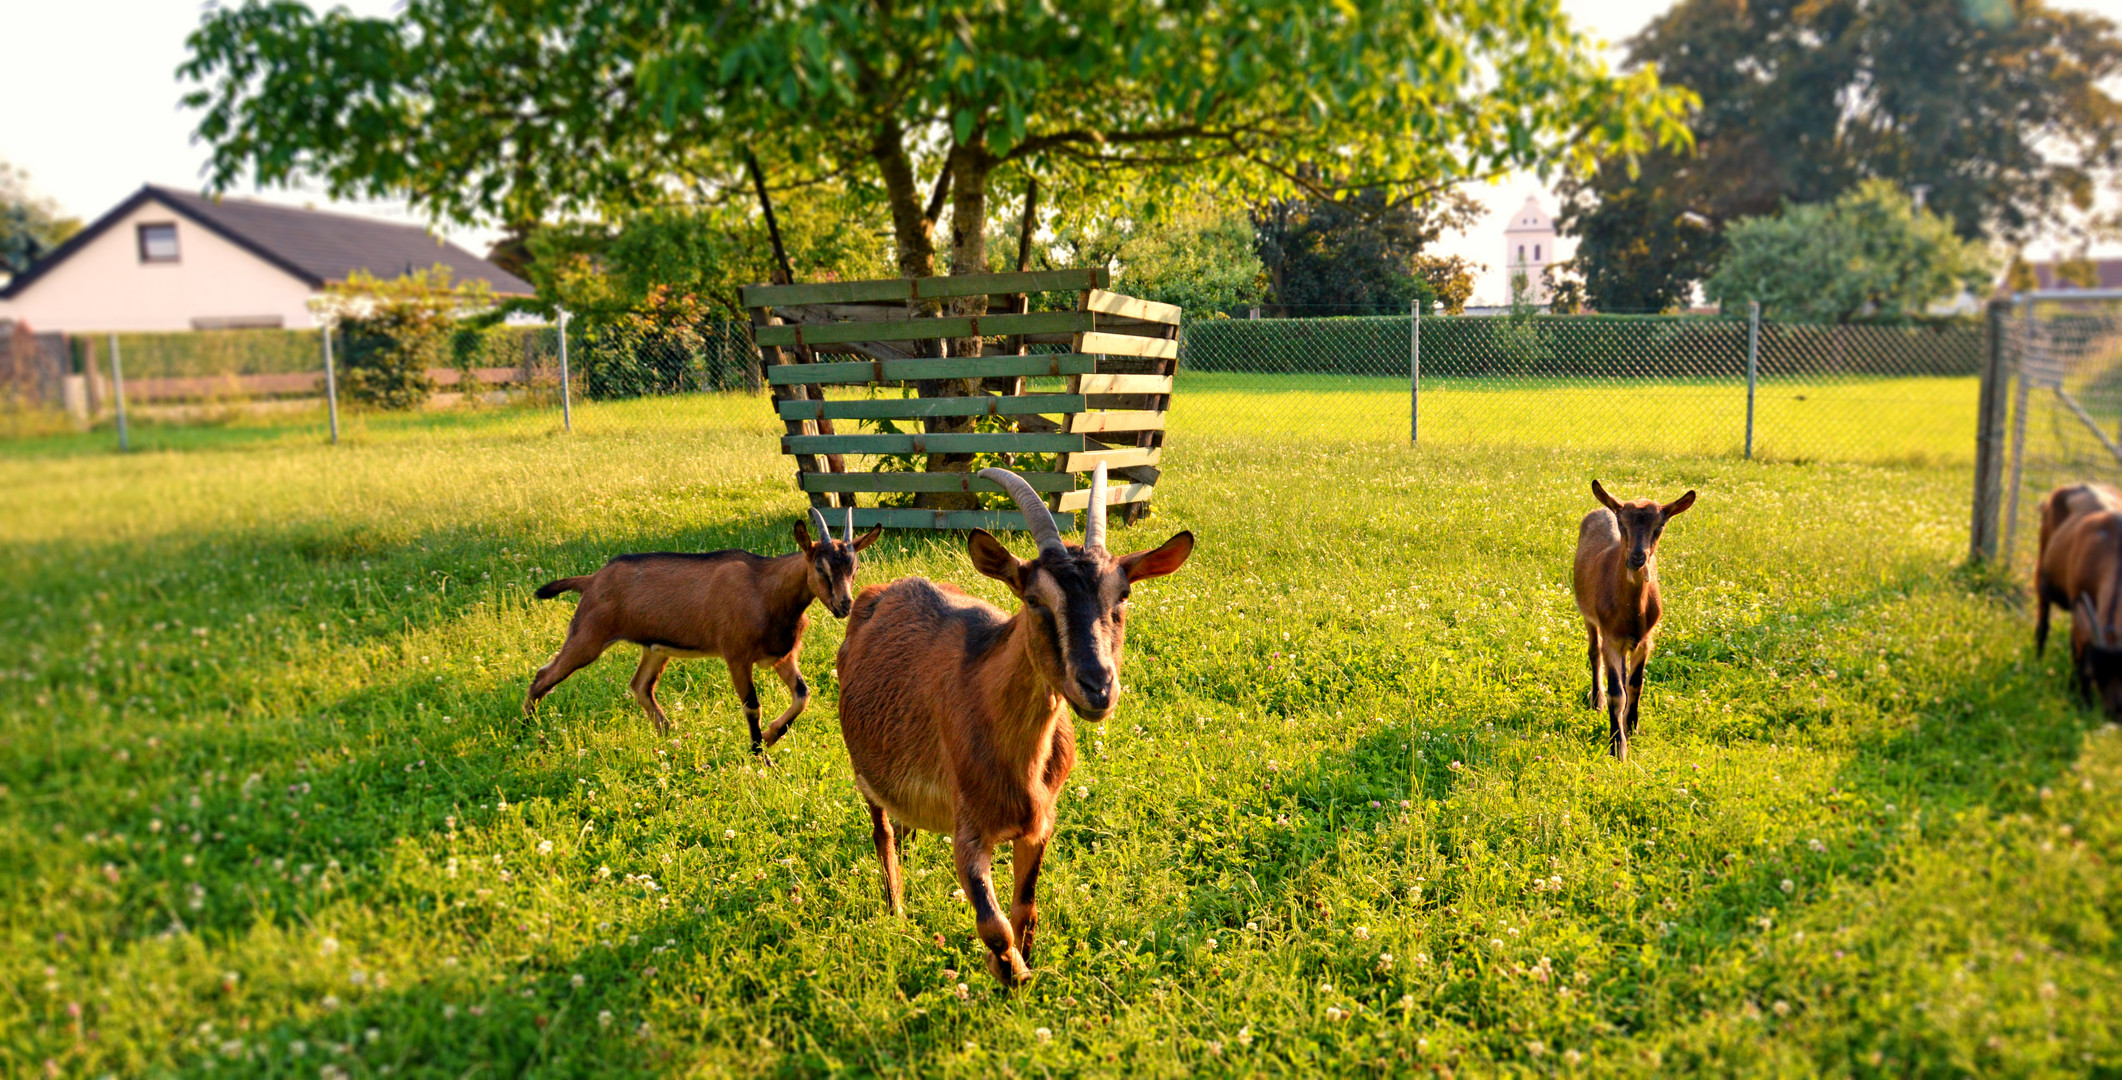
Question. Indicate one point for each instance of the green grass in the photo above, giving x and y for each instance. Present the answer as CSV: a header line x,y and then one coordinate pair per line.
x,y
267,807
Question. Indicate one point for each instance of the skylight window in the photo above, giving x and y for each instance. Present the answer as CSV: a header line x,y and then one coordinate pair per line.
x,y
158,243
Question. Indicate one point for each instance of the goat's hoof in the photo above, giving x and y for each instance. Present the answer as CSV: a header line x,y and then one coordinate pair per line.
x,y
1009,969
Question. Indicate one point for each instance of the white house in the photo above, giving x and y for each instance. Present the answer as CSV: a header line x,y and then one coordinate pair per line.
x,y
172,260
1529,248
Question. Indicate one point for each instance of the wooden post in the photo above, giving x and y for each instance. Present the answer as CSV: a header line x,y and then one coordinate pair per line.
x,y
1414,372
118,396
1989,439
331,384
567,410
1753,358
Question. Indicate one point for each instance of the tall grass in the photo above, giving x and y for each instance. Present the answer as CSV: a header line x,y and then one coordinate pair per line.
x,y
267,805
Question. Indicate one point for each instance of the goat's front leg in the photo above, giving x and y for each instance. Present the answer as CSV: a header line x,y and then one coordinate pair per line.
x,y
740,677
799,695
975,861
1025,856
644,685
1616,664
882,834
1637,662
1591,656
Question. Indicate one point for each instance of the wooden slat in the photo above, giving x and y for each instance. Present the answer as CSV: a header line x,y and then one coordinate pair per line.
x,y
1127,384
1116,421
1114,459
926,481
1115,494
1110,303
992,520
979,442
1126,345
855,292
914,408
956,326
968,367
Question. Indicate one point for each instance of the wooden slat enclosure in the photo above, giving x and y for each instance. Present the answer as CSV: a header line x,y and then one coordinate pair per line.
x,y
854,358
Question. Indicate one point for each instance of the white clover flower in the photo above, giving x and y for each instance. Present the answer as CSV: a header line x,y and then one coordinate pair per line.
x,y
1334,1013
545,847
1780,1008
1362,933
729,834
1245,1035
604,1018
1211,944
576,981
1815,844
1786,885
1043,1034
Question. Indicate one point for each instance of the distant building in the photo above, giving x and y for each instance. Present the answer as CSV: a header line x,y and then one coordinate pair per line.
x,y
1529,248
2108,273
172,260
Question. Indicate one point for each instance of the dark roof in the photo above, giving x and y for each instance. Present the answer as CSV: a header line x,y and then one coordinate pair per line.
x,y
312,245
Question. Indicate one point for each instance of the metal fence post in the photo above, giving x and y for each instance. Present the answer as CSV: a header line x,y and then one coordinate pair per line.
x,y
125,441
1753,365
1989,440
567,411
331,383
2018,432
1414,372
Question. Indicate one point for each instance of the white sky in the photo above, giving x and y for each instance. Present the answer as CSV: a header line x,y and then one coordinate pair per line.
x,y
91,127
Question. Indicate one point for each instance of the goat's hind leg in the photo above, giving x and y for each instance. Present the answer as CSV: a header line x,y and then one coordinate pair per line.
x,y
644,685
887,842
576,653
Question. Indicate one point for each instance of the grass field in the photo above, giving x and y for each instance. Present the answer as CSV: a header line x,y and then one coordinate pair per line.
x,y
267,806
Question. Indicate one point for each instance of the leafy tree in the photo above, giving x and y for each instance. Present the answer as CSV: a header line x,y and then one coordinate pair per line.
x,y
29,226
398,329
1357,253
2006,112
1868,253
1449,281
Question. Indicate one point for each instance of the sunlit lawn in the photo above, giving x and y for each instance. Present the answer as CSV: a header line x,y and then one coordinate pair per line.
x,y
267,806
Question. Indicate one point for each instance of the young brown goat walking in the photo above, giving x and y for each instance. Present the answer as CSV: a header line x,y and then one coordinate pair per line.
x,y
2059,508
1617,590
956,714
747,609
2081,568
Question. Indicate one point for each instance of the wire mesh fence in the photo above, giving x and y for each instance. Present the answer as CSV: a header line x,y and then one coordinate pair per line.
x,y
1685,384
2057,411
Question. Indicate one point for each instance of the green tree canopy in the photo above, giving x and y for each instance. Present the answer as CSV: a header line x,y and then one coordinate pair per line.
x,y
522,111
1356,253
29,226
1868,253
2005,111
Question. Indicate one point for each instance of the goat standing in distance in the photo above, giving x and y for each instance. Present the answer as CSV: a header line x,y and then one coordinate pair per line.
x,y
748,609
956,713
2081,567
2059,508
1616,578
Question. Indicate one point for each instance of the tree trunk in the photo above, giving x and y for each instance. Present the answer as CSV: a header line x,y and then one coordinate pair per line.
x,y
968,165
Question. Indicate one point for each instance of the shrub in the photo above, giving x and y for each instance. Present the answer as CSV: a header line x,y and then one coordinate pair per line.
x,y
396,330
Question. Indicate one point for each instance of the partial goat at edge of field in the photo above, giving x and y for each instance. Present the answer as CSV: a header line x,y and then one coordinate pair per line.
x,y
1616,579
2081,568
748,609
956,713
2059,508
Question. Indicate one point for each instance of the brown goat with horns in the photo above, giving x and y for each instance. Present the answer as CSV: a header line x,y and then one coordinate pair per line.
x,y
1616,579
956,713
748,609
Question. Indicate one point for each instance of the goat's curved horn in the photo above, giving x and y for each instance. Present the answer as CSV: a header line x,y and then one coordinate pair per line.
x,y
1094,519
850,537
825,532
1037,520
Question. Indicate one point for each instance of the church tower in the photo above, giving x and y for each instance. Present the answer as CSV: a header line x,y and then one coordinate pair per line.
x,y
1529,247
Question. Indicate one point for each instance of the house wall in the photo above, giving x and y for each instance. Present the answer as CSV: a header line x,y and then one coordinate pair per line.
x,y
105,286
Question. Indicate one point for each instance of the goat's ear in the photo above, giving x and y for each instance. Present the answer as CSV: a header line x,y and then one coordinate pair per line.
x,y
868,538
1160,560
1605,499
994,560
803,542
1678,506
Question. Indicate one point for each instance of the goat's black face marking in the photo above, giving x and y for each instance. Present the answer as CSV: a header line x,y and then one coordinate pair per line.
x,y
833,564
1077,598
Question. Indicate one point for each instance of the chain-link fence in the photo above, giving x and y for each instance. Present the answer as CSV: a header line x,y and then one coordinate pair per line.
x,y
2054,415
1686,384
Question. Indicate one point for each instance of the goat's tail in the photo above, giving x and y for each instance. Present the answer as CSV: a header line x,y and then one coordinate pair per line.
x,y
565,585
